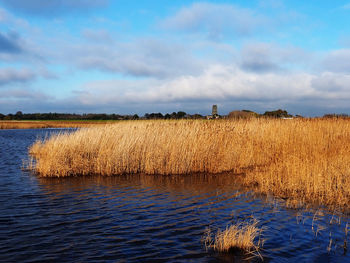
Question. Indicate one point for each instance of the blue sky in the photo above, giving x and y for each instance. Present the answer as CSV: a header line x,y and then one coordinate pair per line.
x,y
127,57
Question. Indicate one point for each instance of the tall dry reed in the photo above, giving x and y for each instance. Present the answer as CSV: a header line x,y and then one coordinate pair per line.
x,y
303,159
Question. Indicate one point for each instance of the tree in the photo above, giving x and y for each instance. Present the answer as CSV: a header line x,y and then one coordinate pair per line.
x,y
180,114
18,115
277,114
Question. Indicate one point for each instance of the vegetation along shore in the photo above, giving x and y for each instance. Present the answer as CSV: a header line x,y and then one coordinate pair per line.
x,y
302,159
49,124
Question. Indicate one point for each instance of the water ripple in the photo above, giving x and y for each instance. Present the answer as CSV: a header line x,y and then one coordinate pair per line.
x,y
142,218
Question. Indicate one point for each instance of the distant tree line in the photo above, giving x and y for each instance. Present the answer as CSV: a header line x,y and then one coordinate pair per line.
x,y
93,116
334,115
65,116
245,114
240,114
175,116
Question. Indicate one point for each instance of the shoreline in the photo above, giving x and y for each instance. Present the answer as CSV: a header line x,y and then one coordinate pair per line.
x,y
44,124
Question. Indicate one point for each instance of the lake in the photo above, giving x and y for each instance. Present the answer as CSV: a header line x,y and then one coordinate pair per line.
x,y
142,218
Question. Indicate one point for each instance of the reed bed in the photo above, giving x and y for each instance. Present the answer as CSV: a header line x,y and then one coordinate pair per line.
x,y
4,125
303,159
240,236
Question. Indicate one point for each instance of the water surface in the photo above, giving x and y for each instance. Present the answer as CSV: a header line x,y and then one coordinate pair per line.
x,y
142,218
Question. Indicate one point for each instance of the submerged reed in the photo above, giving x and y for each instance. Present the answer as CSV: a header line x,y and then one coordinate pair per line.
x,y
241,236
298,159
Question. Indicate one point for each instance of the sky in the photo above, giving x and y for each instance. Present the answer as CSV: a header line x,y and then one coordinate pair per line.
x,y
134,56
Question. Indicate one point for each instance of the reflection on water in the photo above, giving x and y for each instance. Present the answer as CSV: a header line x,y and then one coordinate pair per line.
x,y
140,218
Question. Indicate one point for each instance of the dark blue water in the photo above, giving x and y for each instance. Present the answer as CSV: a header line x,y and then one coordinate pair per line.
x,y
142,218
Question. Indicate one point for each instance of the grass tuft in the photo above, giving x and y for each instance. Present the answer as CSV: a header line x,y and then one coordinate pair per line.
x,y
241,236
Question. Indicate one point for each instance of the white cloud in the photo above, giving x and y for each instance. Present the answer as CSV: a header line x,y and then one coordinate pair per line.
x,y
267,57
336,84
140,58
215,20
338,61
22,94
219,83
8,76
224,85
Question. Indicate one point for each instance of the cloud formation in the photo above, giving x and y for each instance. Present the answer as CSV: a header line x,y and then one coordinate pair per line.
x,y
338,61
139,58
258,57
262,57
53,7
221,83
336,85
8,76
229,86
215,20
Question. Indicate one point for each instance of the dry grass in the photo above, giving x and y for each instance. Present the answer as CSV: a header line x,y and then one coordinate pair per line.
x,y
4,125
306,160
241,236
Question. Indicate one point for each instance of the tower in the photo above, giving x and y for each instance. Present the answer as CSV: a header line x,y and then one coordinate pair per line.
x,y
214,111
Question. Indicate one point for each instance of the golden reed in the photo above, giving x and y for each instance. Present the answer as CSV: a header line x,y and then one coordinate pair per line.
x,y
241,236
305,159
